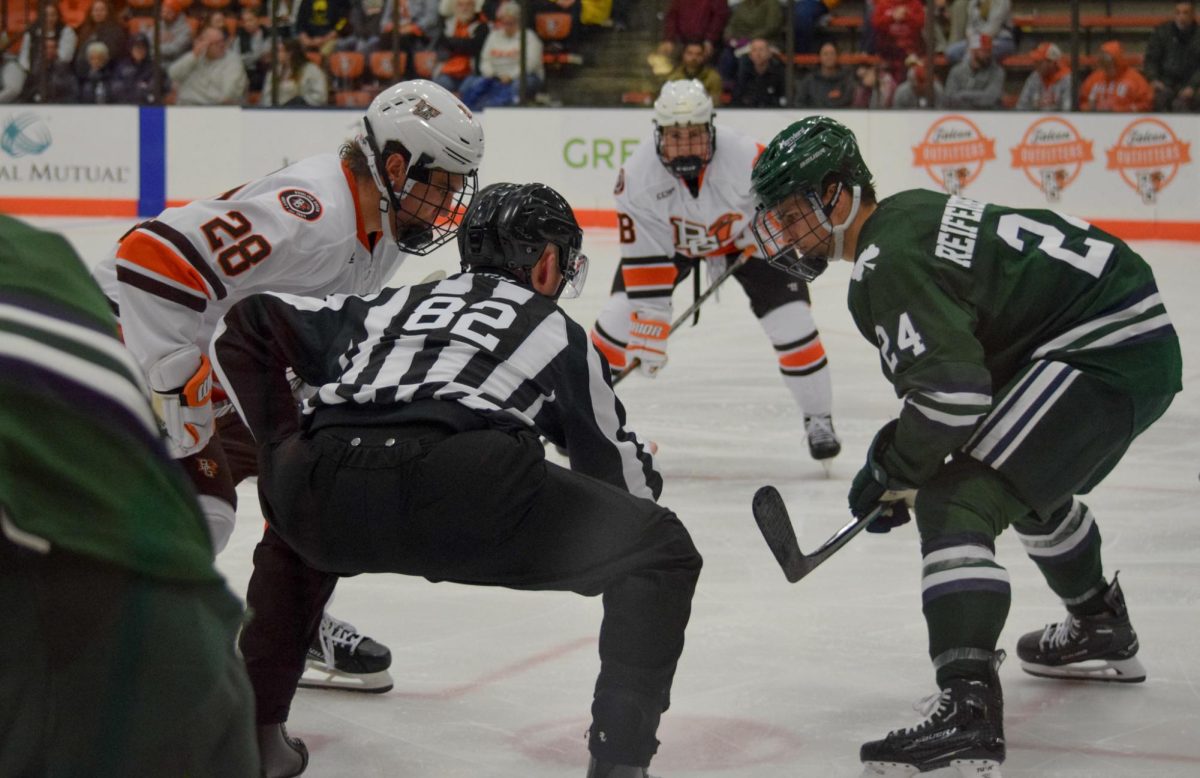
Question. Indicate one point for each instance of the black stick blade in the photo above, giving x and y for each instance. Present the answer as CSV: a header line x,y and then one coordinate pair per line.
x,y
773,521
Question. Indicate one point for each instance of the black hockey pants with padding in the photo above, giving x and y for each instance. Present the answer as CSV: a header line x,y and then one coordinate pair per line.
x,y
484,507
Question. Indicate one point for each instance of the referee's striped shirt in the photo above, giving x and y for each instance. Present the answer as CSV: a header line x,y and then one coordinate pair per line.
x,y
477,339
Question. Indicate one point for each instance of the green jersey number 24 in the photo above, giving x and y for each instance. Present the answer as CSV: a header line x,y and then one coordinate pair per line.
x,y
1011,225
907,338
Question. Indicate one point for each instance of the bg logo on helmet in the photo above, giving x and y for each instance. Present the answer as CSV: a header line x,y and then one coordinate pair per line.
x,y
953,152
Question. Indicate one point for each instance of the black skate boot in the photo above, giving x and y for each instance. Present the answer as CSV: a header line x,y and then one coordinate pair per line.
x,y
964,730
281,756
342,658
606,770
823,442
1099,647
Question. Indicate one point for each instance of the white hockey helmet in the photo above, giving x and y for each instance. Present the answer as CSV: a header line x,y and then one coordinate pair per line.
x,y
433,131
685,103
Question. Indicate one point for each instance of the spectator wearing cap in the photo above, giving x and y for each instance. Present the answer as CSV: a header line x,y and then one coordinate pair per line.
x,y
209,74
174,33
1048,87
977,83
992,18
921,89
693,64
1173,61
760,79
828,86
95,85
133,76
899,30
1114,85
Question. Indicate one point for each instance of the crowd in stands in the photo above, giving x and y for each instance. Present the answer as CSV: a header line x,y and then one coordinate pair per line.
x,y
314,53
736,50
340,52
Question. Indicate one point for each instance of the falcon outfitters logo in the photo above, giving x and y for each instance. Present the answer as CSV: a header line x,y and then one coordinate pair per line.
x,y
698,240
1051,154
1148,155
954,152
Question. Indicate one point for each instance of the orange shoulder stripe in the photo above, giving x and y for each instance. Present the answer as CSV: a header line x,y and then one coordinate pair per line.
x,y
160,259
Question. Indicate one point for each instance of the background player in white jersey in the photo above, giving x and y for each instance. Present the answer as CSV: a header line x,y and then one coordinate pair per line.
x,y
330,223
684,198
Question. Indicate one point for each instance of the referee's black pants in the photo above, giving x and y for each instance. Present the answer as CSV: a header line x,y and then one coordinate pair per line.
x,y
484,507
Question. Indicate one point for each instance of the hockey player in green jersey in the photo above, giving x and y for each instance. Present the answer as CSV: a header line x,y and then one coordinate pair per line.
x,y
117,635
1008,333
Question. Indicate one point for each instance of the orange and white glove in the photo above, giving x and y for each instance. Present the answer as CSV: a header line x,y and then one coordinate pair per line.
x,y
186,413
648,342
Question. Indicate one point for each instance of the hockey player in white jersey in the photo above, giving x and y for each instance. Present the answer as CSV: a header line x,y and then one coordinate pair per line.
x,y
683,201
333,223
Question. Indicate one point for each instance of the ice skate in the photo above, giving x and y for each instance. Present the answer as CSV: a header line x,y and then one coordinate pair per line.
x,y
1100,647
605,770
823,442
281,756
963,729
342,658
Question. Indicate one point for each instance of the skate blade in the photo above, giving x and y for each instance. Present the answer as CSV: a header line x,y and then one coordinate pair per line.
x,y
1108,670
318,676
977,768
827,465
967,768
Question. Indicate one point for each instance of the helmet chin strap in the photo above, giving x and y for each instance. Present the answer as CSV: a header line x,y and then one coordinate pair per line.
x,y
839,231
385,205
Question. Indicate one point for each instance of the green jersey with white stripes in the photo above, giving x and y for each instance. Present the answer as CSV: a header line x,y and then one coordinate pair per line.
x,y
960,295
82,464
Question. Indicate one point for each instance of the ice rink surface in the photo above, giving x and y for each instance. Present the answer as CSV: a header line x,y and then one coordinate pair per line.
x,y
776,679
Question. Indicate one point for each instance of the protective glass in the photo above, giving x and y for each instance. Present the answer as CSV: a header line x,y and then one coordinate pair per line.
x,y
574,272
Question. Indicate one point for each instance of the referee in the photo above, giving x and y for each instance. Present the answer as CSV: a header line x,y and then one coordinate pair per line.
x,y
419,452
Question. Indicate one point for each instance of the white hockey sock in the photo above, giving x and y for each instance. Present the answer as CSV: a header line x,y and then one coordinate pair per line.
x,y
801,356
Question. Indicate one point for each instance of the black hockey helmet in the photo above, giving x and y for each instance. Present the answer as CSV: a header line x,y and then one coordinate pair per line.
x,y
508,226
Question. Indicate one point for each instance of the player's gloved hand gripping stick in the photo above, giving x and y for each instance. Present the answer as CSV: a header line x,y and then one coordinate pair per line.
x,y
683,317
878,503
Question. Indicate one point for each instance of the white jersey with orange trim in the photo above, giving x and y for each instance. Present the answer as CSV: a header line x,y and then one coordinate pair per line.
x,y
658,217
298,230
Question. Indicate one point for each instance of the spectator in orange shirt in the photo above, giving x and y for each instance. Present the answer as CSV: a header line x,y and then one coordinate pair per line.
x,y
1114,85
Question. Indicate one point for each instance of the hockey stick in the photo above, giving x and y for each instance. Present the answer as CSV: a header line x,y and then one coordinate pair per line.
x,y
695,306
773,521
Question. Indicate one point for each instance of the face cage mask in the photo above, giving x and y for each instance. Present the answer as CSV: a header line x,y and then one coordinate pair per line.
x,y
698,153
780,240
420,236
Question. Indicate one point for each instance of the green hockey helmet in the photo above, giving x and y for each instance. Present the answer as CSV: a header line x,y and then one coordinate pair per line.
x,y
790,179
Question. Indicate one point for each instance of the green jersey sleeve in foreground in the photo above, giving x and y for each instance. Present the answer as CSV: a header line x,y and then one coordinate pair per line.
x,y
82,465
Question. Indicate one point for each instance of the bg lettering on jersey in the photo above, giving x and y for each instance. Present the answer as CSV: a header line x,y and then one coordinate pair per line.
x,y
694,239
956,236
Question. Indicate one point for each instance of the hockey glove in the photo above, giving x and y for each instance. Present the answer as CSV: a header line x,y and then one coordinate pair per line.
x,y
186,413
872,485
648,342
